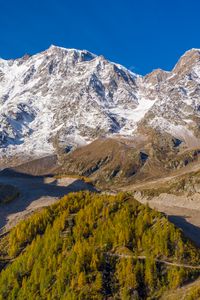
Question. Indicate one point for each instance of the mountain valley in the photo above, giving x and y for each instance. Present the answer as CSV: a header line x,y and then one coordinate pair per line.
x,y
71,122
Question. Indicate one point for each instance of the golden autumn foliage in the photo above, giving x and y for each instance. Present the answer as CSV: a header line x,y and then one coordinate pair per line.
x,y
87,246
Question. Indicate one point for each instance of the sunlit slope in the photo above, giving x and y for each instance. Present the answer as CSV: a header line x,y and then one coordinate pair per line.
x,y
91,246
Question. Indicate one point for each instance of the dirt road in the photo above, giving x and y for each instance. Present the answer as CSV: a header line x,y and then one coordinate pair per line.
x,y
162,261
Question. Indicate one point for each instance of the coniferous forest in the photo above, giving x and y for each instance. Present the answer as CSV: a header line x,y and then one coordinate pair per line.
x,y
92,246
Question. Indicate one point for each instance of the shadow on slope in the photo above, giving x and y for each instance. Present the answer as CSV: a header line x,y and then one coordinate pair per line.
x,y
37,167
35,192
190,231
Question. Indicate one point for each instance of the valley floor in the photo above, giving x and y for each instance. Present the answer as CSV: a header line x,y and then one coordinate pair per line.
x,y
35,193
40,191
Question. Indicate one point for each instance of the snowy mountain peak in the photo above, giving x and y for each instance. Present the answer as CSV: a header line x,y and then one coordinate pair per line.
x,y
187,62
156,76
75,54
68,97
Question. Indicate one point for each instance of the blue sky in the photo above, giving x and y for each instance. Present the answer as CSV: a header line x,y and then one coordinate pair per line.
x,y
142,35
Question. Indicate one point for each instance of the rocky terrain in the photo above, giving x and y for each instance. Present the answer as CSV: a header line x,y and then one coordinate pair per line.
x,y
64,98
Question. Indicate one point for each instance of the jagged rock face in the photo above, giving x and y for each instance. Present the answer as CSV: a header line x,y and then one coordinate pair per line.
x,y
177,108
71,94
69,97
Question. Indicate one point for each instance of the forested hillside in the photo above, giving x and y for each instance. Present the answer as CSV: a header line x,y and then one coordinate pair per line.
x,y
92,246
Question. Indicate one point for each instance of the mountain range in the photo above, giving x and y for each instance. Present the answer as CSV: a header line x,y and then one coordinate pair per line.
x,y
61,99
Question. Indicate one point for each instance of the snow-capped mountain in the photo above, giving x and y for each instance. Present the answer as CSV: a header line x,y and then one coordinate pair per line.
x,y
70,97
177,109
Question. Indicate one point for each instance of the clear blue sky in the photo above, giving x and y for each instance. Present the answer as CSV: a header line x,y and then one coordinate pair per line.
x,y
140,34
